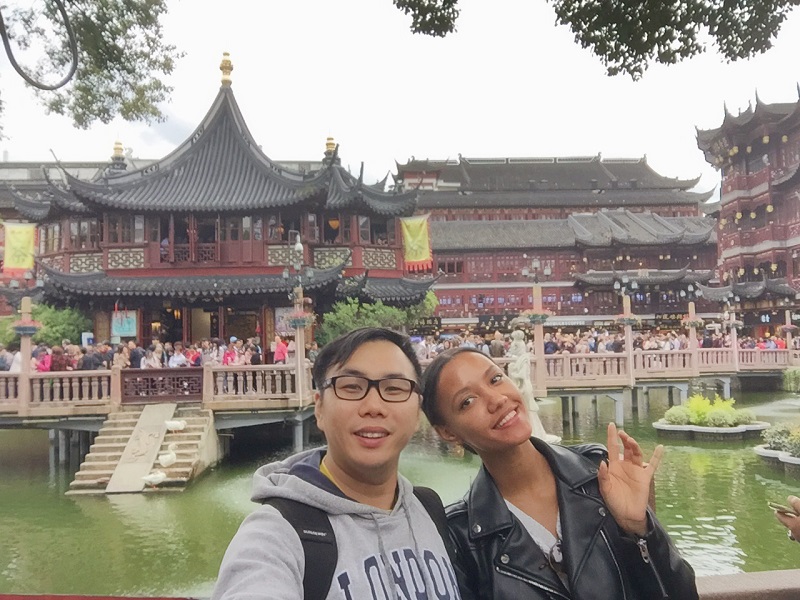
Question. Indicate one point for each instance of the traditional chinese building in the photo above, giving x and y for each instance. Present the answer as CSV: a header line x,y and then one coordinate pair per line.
x,y
588,229
214,239
758,155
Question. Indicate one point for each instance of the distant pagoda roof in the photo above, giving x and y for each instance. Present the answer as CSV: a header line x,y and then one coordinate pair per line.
x,y
643,277
531,174
741,129
560,198
219,168
750,290
602,229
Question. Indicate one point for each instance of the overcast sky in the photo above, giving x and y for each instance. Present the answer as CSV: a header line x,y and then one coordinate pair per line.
x,y
508,83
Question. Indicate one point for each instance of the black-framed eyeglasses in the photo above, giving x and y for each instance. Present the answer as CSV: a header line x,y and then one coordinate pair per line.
x,y
353,387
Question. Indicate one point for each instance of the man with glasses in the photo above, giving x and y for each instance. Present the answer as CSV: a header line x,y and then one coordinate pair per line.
x,y
387,541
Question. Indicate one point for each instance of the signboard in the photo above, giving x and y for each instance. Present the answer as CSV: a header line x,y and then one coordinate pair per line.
x,y
495,321
428,323
669,319
123,323
282,326
87,338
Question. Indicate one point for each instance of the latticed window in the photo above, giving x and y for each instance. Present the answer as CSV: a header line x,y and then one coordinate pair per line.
x,y
84,233
125,229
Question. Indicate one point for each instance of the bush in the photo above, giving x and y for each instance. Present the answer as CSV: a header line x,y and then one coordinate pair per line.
x,y
793,443
701,411
777,436
699,407
744,417
791,380
721,417
677,415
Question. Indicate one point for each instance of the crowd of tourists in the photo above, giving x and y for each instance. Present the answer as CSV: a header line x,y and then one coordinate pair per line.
x,y
131,355
598,341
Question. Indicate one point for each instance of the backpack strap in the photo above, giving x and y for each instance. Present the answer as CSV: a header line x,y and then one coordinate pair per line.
x,y
433,506
314,529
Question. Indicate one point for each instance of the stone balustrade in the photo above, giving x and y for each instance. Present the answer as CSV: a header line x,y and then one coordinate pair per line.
x,y
68,393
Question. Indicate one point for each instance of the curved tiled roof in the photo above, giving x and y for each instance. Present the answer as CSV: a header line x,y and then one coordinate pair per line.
x,y
395,292
221,167
644,276
560,198
546,173
191,287
601,229
750,290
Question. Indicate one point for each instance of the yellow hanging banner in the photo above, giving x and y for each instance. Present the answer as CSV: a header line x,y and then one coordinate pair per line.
x,y
19,245
417,243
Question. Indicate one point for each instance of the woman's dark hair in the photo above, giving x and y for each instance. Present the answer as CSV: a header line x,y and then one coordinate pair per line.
x,y
430,381
342,348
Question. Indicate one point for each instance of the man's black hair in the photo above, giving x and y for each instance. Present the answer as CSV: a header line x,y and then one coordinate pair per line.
x,y
342,348
430,381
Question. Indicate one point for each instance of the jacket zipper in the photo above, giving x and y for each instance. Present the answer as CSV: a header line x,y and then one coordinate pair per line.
x,y
531,582
616,564
642,543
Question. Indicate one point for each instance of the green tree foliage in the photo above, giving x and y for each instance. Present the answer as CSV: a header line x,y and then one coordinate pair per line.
x,y
122,57
352,313
628,35
57,324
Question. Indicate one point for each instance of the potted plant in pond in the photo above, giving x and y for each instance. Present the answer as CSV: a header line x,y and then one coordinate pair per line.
x,y
702,418
781,448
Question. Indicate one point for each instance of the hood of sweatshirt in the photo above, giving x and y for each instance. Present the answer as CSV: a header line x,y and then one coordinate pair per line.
x,y
299,478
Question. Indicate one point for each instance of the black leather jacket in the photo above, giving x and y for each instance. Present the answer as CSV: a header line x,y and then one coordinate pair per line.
x,y
498,560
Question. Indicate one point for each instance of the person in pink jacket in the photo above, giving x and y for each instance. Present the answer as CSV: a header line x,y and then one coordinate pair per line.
x,y
281,351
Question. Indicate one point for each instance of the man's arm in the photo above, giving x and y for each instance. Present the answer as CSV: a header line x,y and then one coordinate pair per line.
x,y
264,561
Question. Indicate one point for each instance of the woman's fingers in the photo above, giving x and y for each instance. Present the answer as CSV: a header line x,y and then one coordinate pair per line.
x,y
612,443
632,452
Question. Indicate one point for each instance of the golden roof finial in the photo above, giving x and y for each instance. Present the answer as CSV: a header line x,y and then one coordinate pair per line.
x,y
119,150
330,145
226,66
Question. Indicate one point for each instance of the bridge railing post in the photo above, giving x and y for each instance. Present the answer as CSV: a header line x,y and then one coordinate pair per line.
x,y
694,359
115,400
208,385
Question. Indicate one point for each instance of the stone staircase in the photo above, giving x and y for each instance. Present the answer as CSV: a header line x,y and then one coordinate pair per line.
x,y
104,455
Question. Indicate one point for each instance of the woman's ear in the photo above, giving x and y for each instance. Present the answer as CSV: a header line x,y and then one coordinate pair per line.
x,y
447,435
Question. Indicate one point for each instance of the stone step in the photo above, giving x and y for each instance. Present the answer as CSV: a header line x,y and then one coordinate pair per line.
x,y
108,447
180,465
183,436
94,456
118,430
99,465
94,474
171,484
88,484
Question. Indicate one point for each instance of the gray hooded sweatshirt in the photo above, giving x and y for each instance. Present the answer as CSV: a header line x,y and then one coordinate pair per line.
x,y
383,554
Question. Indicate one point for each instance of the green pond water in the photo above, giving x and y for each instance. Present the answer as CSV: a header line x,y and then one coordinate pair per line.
x,y
711,498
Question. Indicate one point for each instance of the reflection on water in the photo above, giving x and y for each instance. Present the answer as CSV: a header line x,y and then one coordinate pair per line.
x,y
711,499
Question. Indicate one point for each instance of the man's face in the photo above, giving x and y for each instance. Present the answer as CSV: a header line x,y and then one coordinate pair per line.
x,y
365,437
131,345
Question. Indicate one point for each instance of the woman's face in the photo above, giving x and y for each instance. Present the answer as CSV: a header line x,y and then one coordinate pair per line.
x,y
480,406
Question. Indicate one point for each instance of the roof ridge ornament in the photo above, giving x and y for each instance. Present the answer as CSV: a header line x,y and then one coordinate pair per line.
x,y
226,66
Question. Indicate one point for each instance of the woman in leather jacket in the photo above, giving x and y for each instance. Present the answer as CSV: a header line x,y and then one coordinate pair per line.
x,y
542,521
